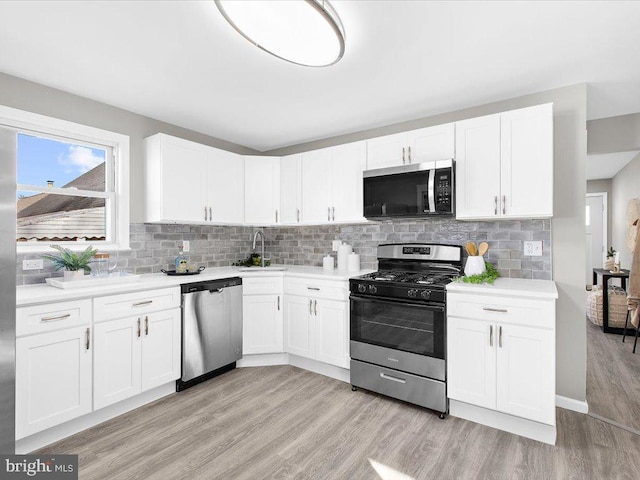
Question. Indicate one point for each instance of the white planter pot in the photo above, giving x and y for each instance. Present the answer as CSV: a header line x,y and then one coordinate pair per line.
x,y
70,275
474,266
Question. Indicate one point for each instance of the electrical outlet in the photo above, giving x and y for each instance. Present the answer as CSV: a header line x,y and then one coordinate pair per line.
x,y
32,264
533,249
335,244
185,246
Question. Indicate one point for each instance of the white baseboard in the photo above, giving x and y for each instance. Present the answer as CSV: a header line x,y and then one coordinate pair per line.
x,y
516,425
263,360
572,404
53,434
325,369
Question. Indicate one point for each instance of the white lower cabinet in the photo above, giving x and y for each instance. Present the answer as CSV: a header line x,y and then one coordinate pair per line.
x,y
501,354
262,315
135,354
298,325
53,379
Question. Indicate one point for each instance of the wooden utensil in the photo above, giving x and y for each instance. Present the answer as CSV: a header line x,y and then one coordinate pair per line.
x,y
483,248
471,249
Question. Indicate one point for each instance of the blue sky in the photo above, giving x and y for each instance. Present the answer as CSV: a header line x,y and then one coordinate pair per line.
x,y
41,159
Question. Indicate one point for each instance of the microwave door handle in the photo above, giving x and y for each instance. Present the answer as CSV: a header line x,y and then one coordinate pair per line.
x,y
431,188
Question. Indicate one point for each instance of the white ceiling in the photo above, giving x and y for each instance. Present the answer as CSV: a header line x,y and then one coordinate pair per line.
x,y
181,63
607,165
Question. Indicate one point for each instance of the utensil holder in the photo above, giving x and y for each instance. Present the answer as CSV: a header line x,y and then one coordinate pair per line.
x,y
474,266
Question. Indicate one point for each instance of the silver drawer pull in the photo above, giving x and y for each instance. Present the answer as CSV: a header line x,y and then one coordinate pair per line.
x,y
313,288
393,379
140,304
57,317
499,310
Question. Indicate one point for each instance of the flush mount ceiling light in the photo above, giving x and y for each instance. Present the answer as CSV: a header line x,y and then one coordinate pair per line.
x,y
304,32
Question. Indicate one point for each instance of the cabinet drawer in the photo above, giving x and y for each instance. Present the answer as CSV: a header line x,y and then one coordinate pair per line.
x,y
262,286
331,290
521,311
126,304
52,316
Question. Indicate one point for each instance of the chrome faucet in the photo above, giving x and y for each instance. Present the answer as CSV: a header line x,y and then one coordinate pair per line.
x,y
255,237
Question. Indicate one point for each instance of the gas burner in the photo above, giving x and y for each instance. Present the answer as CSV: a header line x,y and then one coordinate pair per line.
x,y
386,276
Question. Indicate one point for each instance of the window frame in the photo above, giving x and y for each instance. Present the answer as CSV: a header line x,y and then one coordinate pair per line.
x,y
118,218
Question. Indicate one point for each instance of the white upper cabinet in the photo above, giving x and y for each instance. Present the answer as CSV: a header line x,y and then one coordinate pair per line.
x,y
291,189
347,164
526,161
316,187
187,182
504,165
416,146
262,190
478,167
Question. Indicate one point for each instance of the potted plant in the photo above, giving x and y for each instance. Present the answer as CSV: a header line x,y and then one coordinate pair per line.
x,y
608,263
74,264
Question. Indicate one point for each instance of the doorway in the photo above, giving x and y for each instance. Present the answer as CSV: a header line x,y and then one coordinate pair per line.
x,y
596,223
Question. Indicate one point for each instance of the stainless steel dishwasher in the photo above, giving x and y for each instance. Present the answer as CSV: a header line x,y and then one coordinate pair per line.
x,y
211,329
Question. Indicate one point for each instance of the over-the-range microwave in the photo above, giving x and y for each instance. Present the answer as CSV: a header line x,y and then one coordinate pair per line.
x,y
417,190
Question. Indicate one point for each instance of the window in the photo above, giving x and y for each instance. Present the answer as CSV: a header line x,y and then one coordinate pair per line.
x,y
72,183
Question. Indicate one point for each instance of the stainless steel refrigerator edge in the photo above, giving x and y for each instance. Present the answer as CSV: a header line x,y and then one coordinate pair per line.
x,y
7,289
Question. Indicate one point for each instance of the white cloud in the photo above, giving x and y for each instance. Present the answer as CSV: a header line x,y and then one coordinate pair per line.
x,y
80,159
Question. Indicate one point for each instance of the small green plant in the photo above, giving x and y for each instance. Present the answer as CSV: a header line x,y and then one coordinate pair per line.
x,y
611,252
488,276
69,260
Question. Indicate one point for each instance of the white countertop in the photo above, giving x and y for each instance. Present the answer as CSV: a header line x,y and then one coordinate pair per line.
x,y
520,287
43,293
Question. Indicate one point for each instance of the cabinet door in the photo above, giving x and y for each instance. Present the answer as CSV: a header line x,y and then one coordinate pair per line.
x,y
291,189
471,361
117,372
347,164
225,186
298,326
316,207
262,190
331,332
527,162
388,151
53,379
526,373
431,144
160,348
262,324
184,167
478,167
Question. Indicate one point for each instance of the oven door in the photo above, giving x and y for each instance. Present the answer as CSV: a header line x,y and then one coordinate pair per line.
x,y
416,328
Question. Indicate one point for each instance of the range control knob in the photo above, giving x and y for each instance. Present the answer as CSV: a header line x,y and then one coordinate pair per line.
x,y
425,294
412,293
362,288
373,289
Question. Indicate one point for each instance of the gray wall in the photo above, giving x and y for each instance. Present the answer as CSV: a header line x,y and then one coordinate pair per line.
x,y
614,134
32,97
625,186
568,228
603,185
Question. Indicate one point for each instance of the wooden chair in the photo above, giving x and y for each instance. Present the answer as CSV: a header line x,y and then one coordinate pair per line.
x,y
633,304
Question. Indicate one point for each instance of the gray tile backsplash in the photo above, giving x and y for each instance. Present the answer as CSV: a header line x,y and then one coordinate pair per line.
x,y
155,246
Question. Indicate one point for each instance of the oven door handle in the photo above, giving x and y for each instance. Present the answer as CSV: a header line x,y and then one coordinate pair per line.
x,y
387,301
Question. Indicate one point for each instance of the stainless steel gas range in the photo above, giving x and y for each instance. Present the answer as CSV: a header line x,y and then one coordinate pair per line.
x,y
398,323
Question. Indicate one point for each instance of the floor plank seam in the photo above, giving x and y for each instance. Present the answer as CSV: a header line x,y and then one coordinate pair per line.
x,y
614,423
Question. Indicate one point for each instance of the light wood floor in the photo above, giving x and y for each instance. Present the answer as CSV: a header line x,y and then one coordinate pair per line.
x,y
613,377
284,422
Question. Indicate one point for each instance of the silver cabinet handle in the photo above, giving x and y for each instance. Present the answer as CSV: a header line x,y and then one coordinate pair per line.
x,y
499,310
298,215
146,325
57,317
140,304
88,338
328,214
205,213
210,214
314,288
276,216
333,213
278,302
403,155
500,336
409,154
139,330
491,335
310,307
495,205
393,379
504,204
315,307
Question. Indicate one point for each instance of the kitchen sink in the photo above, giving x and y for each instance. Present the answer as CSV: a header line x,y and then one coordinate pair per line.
x,y
262,269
